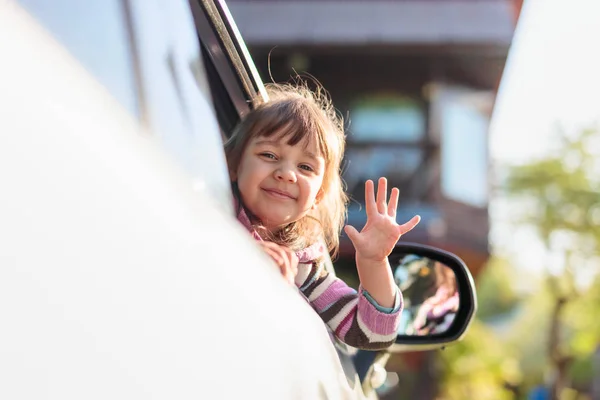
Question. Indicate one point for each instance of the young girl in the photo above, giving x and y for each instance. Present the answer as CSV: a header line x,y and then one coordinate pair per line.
x,y
284,160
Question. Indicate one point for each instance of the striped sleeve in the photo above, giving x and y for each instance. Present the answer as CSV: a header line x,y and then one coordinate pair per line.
x,y
353,318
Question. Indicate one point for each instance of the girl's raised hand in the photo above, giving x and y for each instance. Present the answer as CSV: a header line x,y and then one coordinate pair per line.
x,y
377,239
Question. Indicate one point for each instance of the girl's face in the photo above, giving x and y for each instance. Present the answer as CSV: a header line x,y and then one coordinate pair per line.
x,y
279,183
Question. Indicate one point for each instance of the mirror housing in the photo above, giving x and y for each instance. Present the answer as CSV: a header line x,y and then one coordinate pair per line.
x,y
466,294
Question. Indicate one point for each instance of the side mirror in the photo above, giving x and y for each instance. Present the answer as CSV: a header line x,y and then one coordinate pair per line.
x,y
439,305
439,297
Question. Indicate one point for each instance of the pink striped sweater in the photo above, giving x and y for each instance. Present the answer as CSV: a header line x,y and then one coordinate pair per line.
x,y
354,317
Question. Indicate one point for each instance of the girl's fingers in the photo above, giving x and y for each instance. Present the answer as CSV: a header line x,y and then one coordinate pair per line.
x,y
407,227
292,261
370,205
381,195
393,205
353,234
286,259
272,251
291,279
289,264
288,275
277,257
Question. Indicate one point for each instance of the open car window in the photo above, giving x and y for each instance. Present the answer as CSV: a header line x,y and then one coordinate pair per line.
x,y
233,80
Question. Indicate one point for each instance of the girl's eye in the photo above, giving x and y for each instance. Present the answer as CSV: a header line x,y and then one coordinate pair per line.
x,y
268,155
307,167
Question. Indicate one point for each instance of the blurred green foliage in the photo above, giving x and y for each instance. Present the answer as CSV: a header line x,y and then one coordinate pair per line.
x,y
496,293
506,351
479,367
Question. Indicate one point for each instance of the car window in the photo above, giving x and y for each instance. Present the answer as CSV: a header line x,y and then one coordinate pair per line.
x,y
177,94
146,54
96,34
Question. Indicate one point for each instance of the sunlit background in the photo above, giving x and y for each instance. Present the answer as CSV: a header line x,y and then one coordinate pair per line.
x,y
551,82
483,112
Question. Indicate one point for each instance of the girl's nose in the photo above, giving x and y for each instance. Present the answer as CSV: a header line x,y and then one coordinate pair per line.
x,y
286,174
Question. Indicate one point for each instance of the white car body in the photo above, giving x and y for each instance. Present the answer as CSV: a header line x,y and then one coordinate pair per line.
x,y
120,276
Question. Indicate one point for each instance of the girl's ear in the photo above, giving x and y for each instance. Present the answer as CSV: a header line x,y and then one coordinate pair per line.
x,y
319,197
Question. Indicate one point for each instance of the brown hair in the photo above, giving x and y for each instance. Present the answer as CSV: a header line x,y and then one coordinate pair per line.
x,y
445,277
296,112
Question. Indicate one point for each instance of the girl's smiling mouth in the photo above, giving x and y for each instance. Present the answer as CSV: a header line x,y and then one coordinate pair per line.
x,y
279,194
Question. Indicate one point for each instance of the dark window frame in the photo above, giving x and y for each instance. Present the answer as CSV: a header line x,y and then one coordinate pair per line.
x,y
234,83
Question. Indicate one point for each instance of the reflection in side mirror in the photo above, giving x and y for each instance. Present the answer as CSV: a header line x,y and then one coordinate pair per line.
x,y
439,297
431,298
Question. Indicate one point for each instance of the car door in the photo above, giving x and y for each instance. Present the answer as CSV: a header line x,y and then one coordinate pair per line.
x,y
124,274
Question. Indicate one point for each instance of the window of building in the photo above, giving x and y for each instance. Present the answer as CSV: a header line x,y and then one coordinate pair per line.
x,y
464,158
388,119
387,137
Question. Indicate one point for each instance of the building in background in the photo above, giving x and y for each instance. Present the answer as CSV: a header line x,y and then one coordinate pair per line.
x,y
416,81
